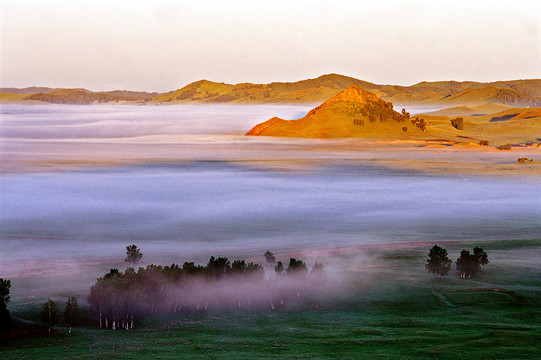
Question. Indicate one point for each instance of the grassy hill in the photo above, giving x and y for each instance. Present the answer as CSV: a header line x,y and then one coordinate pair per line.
x,y
83,96
305,91
354,112
310,91
27,90
7,98
357,113
443,93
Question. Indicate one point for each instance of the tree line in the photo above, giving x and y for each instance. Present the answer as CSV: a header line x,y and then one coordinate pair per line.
x,y
119,299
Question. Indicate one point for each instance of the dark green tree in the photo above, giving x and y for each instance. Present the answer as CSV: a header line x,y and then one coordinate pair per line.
x,y
218,267
480,255
238,267
241,267
438,262
190,268
296,267
465,264
49,313
5,286
72,313
469,264
279,268
255,269
269,256
133,255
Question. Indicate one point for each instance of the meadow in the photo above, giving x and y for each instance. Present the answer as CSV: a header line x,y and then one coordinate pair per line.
x,y
393,309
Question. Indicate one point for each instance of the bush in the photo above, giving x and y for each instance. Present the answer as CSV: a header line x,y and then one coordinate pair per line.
x,y
458,123
504,147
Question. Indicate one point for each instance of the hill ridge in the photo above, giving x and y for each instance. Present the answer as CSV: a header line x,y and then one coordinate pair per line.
x,y
316,90
352,112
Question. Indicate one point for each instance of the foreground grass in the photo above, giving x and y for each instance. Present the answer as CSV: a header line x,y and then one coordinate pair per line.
x,y
393,316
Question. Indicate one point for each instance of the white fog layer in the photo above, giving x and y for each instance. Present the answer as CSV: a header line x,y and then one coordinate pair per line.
x,y
217,194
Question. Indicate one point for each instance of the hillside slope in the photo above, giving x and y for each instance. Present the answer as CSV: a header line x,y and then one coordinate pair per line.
x,y
357,113
310,91
353,112
442,93
83,96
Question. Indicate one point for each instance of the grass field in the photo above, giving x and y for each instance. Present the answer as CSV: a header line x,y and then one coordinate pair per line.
x,y
396,311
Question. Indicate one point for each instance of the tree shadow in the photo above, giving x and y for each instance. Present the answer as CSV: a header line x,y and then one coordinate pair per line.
x,y
502,118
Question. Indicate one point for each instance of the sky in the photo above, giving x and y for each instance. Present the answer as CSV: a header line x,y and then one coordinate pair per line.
x,y
164,45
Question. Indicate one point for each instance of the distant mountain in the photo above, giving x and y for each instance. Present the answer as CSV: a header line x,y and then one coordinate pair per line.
x,y
83,96
310,91
27,90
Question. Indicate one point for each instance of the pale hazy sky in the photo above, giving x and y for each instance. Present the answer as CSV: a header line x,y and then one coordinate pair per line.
x,y
163,45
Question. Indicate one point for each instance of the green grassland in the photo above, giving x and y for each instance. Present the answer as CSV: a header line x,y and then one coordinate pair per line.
x,y
393,311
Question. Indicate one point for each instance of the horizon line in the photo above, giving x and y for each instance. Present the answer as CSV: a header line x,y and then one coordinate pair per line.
x,y
256,83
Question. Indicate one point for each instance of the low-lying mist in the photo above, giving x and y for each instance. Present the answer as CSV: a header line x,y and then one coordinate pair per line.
x,y
119,298
57,224
59,230
124,121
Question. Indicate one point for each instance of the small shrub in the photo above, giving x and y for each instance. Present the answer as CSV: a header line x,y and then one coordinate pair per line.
x,y
458,123
504,147
524,160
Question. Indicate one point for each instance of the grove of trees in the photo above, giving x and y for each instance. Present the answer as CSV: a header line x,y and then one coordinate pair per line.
x,y
120,299
468,264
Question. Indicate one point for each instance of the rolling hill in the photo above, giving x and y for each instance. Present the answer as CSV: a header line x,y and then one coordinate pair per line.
x,y
310,91
443,93
357,113
83,96
353,112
